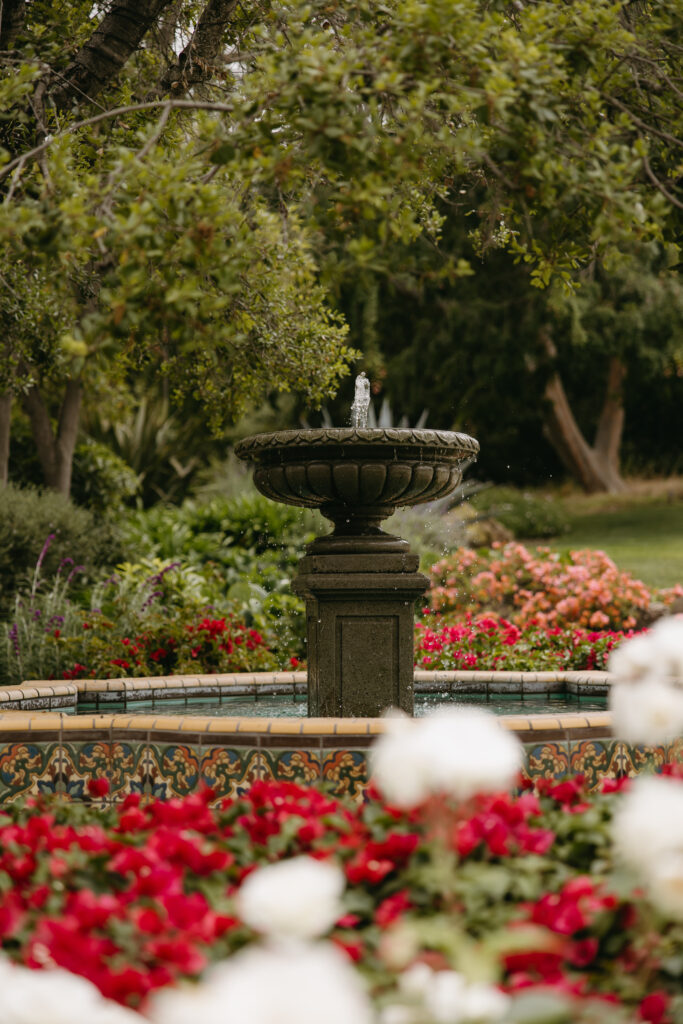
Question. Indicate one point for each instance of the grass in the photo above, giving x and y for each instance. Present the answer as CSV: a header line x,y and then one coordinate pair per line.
x,y
641,529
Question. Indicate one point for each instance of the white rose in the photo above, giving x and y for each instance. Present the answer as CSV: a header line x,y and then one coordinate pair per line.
x,y
55,997
649,711
632,659
648,824
448,998
457,751
294,983
658,652
665,884
297,898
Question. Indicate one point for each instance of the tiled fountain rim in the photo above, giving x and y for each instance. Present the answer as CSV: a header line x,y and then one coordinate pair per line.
x,y
37,704
38,694
44,753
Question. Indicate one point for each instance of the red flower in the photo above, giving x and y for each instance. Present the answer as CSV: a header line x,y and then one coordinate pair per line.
x,y
654,1007
98,786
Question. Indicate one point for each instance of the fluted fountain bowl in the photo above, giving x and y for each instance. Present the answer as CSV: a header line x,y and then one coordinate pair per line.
x,y
357,477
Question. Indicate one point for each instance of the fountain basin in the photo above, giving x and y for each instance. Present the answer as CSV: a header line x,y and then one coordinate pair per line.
x,y
161,755
352,474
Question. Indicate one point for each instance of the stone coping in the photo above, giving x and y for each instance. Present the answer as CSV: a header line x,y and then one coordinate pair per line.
x,y
252,731
44,695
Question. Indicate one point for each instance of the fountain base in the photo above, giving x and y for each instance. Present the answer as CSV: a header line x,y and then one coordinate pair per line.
x,y
359,611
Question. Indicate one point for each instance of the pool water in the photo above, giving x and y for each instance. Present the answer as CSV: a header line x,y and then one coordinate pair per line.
x,y
285,706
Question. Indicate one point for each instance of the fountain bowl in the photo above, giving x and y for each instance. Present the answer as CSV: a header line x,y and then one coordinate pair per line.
x,y
357,477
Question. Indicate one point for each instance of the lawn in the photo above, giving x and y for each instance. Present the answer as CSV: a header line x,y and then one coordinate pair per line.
x,y
641,530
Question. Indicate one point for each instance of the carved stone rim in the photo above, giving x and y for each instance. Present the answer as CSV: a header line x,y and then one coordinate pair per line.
x,y
422,438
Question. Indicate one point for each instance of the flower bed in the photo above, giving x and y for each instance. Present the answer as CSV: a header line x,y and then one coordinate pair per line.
x,y
454,893
520,891
582,590
489,642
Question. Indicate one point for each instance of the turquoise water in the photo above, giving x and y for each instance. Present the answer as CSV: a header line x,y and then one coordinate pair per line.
x,y
285,706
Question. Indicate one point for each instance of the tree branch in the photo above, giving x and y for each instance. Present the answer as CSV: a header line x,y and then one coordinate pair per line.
x,y
195,62
659,186
116,38
31,154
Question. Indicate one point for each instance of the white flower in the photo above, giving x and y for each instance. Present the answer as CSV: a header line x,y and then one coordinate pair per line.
x,y
648,711
297,898
665,884
448,998
294,983
55,997
632,659
658,652
484,1004
458,751
647,828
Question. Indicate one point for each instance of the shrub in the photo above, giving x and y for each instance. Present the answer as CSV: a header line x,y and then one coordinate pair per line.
x,y
525,514
27,519
490,643
209,531
102,481
544,588
147,619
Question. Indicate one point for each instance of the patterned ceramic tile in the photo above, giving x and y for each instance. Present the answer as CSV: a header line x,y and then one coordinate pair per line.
x,y
548,760
590,758
126,767
346,771
230,770
169,770
80,762
28,768
292,765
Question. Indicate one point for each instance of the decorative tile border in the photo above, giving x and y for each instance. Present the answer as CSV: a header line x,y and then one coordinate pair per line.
x,y
164,756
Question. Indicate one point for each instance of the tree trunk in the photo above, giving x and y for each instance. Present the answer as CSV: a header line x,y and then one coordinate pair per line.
x,y
195,62
12,17
611,422
5,419
595,468
55,451
115,39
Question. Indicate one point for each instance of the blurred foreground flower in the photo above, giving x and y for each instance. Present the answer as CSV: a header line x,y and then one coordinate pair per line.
x,y
292,983
457,751
297,898
648,837
55,997
444,997
646,698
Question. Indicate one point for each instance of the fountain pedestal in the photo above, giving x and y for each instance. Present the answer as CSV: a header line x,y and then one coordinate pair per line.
x,y
359,612
359,583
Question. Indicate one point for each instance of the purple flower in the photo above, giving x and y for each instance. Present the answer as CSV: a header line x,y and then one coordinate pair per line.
x,y
152,596
14,637
158,577
46,547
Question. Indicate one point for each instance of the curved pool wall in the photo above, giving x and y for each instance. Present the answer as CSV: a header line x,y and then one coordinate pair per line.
x,y
44,749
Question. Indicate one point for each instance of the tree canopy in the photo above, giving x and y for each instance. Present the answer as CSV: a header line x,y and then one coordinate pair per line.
x,y
185,183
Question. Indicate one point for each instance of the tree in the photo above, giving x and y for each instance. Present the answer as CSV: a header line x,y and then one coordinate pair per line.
x,y
189,210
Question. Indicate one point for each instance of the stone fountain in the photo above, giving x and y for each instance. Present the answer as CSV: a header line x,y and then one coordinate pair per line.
x,y
360,583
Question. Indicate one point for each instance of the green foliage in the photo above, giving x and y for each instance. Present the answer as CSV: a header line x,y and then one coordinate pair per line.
x,y
212,531
195,241
28,518
102,481
526,515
